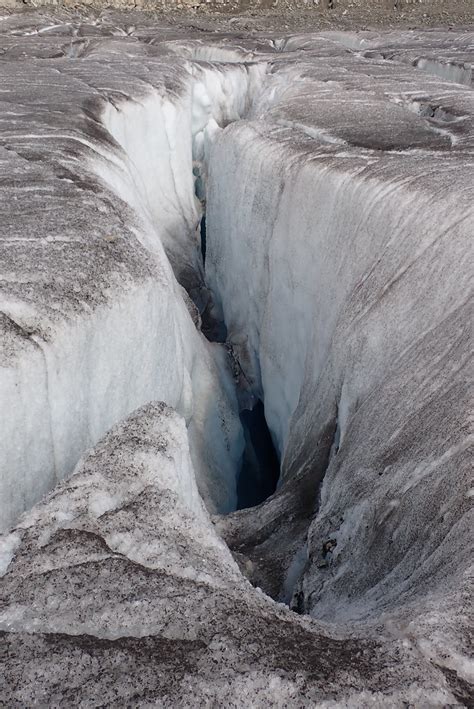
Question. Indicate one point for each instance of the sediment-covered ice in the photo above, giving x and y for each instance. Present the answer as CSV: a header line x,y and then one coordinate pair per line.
x,y
121,592
335,175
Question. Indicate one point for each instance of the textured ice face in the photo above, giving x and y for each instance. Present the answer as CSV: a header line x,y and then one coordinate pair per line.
x,y
350,228
98,201
339,207
132,498
121,592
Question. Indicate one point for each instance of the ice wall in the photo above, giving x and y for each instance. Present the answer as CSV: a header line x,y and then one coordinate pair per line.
x,y
93,369
292,238
142,346
65,390
347,303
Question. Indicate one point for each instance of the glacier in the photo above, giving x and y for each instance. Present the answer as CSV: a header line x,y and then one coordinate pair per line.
x,y
334,174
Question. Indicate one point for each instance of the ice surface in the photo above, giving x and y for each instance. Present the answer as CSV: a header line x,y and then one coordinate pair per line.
x,y
120,592
336,175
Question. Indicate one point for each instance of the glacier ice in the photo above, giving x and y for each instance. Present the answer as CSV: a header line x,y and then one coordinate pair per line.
x,y
333,170
90,373
121,592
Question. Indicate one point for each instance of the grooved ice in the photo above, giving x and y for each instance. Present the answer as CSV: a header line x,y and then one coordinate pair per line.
x,y
334,172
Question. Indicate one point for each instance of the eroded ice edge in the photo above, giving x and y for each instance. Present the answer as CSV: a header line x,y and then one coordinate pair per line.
x,y
336,174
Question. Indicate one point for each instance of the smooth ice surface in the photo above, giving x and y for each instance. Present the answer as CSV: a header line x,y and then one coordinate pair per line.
x,y
335,170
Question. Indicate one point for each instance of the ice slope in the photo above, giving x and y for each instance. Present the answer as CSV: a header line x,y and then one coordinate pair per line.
x,y
95,323
121,593
348,220
450,61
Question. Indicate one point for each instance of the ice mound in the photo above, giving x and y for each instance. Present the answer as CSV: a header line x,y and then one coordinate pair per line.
x,y
121,592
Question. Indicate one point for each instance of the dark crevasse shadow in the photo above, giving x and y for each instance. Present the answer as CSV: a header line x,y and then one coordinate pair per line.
x,y
203,239
260,469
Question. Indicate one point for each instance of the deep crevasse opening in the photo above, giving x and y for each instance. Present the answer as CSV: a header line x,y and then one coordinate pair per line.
x,y
166,142
260,469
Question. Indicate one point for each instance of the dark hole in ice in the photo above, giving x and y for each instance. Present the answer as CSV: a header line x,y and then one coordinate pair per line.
x,y
203,239
260,469
212,327
337,437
